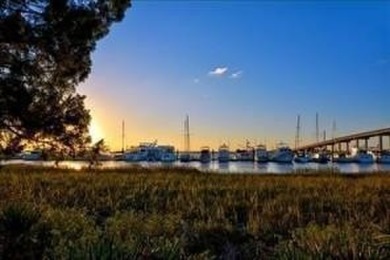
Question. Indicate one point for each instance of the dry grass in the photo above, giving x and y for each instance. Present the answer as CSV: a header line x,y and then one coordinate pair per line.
x,y
172,213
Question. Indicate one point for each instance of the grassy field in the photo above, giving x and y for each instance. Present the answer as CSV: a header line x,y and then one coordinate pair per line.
x,y
179,213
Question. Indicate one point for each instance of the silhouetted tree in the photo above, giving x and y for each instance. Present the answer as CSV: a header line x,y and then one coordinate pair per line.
x,y
45,52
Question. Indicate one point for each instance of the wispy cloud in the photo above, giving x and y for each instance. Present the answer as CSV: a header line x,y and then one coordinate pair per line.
x,y
196,80
237,74
218,71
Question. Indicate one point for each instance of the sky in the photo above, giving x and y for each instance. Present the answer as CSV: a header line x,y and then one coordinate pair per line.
x,y
241,70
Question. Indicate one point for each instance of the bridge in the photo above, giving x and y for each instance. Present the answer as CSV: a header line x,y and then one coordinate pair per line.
x,y
365,136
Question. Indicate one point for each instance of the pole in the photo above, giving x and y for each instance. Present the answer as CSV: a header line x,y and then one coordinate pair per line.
x,y
317,129
297,133
123,136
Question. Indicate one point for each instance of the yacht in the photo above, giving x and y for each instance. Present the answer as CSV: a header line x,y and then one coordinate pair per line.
x,y
135,154
343,158
167,153
384,157
261,153
320,157
362,156
245,154
150,152
223,153
302,157
283,154
205,155
185,157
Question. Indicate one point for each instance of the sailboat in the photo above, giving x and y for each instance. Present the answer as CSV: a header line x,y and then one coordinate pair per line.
x,y
185,156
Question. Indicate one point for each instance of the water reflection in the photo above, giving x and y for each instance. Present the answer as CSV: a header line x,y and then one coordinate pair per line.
x,y
228,167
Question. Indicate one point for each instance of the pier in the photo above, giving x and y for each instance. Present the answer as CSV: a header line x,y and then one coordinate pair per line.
x,y
346,140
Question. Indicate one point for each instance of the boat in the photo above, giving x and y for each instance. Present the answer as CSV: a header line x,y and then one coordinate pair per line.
x,y
261,153
384,157
283,154
320,157
223,153
167,153
363,156
302,158
135,154
150,152
205,155
245,155
185,157
32,155
343,158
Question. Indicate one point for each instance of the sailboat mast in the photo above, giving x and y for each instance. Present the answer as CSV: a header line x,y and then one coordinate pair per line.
x,y
334,129
123,136
317,129
187,134
297,136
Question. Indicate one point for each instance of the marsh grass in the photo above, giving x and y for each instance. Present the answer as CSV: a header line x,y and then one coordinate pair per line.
x,y
170,213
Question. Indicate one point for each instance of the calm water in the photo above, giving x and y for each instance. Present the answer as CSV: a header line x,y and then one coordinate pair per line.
x,y
230,167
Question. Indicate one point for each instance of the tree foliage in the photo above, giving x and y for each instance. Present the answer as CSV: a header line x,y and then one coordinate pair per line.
x,y
45,52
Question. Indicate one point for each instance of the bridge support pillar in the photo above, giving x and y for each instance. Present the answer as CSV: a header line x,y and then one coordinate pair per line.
x,y
332,152
380,143
366,144
347,146
339,147
357,143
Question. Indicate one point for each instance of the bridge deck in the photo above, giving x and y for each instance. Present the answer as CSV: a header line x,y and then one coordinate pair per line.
x,y
347,138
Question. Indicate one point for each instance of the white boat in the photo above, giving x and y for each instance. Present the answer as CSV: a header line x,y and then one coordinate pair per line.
x,y
135,154
150,152
320,157
362,156
205,155
166,153
384,157
261,153
223,153
245,155
283,154
343,158
302,158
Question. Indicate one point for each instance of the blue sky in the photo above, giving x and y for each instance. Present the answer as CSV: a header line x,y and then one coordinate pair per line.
x,y
241,70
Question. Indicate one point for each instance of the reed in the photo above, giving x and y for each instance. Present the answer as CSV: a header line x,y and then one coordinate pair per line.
x,y
172,213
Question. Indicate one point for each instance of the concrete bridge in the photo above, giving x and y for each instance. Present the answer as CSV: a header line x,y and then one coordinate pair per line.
x,y
364,136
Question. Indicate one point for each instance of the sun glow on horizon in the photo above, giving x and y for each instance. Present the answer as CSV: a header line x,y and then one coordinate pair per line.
x,y
95,131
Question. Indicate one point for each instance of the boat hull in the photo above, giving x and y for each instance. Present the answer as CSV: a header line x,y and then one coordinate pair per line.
x,y
282,158
301,159
385,159
366,158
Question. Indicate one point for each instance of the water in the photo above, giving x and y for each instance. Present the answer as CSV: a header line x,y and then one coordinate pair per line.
x,y
230,167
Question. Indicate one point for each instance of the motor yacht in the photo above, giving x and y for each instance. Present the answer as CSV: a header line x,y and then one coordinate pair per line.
x,y
384,157
205,155
261,153
223,153
283,154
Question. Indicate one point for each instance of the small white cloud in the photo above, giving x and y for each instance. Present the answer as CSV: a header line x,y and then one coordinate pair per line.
x,y
218,71
196,80
237,74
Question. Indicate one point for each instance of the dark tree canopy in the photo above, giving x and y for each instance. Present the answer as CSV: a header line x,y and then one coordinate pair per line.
x,y
45,52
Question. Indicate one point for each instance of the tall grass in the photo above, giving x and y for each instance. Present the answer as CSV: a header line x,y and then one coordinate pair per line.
x,y
181,213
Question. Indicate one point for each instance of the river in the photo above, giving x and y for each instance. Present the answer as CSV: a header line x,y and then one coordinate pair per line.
x,y
230,167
